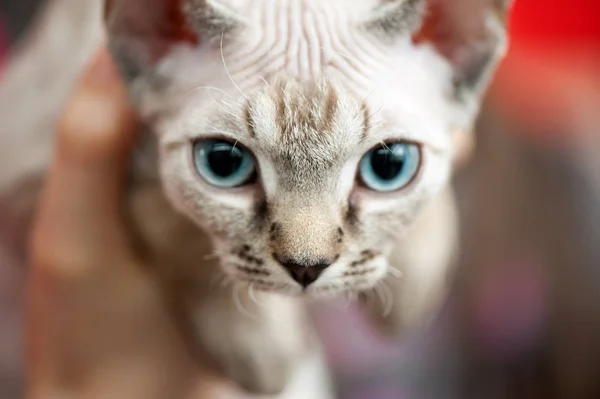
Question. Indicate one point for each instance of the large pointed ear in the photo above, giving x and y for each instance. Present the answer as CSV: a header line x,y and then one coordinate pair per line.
x,y
472,36
469,34
142,32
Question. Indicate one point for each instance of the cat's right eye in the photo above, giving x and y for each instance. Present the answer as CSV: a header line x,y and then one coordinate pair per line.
x,y
224,164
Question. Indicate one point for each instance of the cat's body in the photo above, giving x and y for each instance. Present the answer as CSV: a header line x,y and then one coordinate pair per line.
x,y
307,88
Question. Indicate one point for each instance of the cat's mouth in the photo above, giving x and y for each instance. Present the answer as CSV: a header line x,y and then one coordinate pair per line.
x,y
351,275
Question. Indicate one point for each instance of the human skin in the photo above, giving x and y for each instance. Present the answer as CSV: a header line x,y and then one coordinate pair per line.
x,y
96,323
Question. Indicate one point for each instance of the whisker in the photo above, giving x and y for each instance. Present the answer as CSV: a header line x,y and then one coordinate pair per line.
x,y
210,88
226,103
238,303
367,297
392,271
373,114
252,295
227,70
264,81
220,279
367,96
387,293
225,109
212,256
380,295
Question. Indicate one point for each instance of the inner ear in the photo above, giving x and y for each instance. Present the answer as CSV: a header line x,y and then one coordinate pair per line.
x,y
471,35
142,32
140,35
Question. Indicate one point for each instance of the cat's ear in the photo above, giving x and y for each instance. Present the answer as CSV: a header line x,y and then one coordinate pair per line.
x,y
469,34
142,32
393,17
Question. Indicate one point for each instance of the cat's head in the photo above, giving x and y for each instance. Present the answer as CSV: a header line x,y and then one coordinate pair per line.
x,y
306,136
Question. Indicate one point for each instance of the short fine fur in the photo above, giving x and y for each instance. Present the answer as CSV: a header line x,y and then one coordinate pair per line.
x,y
309,87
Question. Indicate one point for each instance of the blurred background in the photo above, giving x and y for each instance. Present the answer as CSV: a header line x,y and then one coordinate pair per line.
x,y
523,320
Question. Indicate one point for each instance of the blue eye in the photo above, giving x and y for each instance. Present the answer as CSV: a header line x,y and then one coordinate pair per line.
x,y
390,167
224,164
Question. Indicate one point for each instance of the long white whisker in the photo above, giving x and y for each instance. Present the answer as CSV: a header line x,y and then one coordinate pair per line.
x,y
212,256
210,88
264,81
384,145
221,279
252,295
392,271
226,103
380,295
225,109
368,95
238,302
372,115
389,299
227,70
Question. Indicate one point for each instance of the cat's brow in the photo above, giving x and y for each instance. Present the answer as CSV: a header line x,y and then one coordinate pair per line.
x,y
249,119
366,119
310,106
331,104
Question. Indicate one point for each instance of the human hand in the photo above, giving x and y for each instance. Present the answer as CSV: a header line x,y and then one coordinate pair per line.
x,y
97,326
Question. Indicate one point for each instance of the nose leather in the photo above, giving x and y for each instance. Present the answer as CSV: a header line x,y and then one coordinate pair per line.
x,y
304,273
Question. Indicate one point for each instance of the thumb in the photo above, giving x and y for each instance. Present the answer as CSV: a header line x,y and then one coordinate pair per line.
x,y
81,200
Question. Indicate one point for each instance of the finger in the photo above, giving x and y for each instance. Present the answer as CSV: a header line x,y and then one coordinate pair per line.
x,y
80,203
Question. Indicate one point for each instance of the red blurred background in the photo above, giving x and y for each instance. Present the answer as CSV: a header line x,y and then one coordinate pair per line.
x,y
554,53
551,24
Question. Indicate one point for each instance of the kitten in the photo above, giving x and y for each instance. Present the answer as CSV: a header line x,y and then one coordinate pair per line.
x,y
299,149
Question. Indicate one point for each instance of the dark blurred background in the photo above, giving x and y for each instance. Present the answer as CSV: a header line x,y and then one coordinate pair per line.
x,y
524,317
16,16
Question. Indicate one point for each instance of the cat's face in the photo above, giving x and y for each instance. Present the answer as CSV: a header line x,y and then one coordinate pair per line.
x,y
304,143
304,186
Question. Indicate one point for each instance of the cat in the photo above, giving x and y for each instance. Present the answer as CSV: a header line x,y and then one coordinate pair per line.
x,y
297,149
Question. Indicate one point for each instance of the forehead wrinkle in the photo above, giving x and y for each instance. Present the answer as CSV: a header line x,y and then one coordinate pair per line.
x,y
249,118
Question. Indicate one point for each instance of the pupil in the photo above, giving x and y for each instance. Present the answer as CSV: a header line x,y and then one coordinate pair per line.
x,y
388,163
225,160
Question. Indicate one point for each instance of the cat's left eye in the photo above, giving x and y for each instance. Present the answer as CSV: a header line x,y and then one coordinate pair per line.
x,y
224,164
390,167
